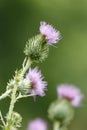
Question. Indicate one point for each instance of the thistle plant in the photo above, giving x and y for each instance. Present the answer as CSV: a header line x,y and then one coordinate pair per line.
x,y
28,81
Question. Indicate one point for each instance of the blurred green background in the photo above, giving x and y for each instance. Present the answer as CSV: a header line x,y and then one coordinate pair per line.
x,y
19,20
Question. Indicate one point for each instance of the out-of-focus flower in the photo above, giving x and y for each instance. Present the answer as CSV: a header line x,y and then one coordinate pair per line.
x,y
61,111
71,93
38,86
37,124
51,34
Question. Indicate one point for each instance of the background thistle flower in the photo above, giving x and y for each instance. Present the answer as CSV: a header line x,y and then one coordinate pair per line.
x,y
71,93
61,111
37,124
38,86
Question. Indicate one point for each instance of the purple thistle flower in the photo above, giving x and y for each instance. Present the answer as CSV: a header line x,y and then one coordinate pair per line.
x,y
37,124
38,85
70,93
51,34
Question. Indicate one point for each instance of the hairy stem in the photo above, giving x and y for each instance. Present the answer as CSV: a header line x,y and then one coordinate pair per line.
x,y
19,97
13,99
14,96
26,67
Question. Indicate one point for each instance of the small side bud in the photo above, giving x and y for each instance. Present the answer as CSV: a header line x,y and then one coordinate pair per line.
x,y
24,86
15,122
36,49
16,119
61,111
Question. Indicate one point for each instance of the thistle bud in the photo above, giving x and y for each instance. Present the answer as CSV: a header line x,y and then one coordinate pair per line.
x,y
15,122
16,119
61,111
24,86
36,49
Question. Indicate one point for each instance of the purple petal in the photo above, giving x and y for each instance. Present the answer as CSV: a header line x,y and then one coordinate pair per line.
x,y
70,92
52,36
38,85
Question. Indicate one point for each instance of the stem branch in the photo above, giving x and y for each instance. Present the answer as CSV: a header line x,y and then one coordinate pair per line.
x,y
19,97
4,95
1,117
26,67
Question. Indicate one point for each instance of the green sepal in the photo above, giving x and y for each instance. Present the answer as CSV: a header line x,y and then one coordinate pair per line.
x,y
37,49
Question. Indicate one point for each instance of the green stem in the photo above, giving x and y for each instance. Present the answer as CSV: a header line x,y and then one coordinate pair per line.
x,y
13,99
19,97
1,117
9,116
26,67
4,95
56,126
13,96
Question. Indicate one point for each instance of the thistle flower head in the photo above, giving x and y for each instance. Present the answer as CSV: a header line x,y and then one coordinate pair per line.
x,y
37,124
61,111
70,93
38,85
51,34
